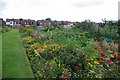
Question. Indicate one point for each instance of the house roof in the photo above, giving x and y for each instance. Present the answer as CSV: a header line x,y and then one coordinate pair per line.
x,y
17,20
28,20
1,18
42,21
8,20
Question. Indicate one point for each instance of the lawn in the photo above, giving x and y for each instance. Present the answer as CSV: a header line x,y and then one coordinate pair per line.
x,y
15,63
0,55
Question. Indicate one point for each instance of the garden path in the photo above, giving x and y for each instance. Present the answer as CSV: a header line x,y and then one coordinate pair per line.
x,y
15,63
0,56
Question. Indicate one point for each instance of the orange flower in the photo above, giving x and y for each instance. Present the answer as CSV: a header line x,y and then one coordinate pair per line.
x,y
93,51
110,45
78,71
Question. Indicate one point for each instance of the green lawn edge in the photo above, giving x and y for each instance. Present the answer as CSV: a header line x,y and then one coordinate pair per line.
x,y
15,63
0,56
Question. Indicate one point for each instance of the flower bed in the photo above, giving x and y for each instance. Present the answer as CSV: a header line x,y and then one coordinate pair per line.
x,y
69,53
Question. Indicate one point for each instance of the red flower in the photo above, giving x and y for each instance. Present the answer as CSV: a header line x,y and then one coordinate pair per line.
x,y
49,65
99,59
108,61
93,51
110,45
32,36
118,58
112,53
42,72
101,52
65,78
76,67
78,71
118,46
85,58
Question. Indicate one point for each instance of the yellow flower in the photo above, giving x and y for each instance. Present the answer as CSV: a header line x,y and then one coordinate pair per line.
x,y
29,40
45,46
90,64
53,49
32,46
42,36
39,50
38,36
96,62
112,56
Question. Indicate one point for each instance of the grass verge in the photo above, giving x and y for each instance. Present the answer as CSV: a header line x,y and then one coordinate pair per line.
x,y
0,56
15,63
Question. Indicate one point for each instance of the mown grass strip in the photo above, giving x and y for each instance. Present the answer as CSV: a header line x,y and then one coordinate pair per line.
x,y
15,63
0,56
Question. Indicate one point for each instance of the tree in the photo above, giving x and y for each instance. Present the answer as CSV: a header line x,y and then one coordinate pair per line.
x,y
48,19
20,19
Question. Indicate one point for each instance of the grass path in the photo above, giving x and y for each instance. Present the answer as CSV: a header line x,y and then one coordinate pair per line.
x,y
0,56
15,63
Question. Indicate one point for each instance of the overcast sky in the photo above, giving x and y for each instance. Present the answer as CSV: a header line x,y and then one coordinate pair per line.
x,y
70,10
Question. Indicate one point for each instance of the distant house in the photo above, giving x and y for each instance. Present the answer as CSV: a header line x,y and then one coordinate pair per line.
x,y
19,22
67,24
2,22
39,23
42,23
76,23
10,22
27,22
16,23
62,23
56,23
59,23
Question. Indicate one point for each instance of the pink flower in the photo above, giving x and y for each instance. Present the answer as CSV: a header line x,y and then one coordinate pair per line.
x,y
76,67
70,75
49,65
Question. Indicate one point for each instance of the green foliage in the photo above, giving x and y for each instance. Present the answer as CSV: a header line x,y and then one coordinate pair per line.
x,y
4,29
62,52
108,29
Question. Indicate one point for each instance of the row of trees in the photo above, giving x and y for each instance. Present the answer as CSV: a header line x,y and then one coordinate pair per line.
x,y
98,30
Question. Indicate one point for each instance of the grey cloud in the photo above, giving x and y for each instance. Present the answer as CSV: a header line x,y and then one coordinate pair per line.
x,y
88,3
